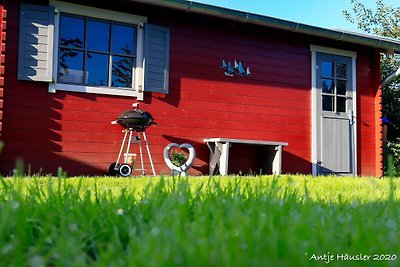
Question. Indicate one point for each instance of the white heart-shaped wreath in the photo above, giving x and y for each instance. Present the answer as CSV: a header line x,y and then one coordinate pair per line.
x,y
189,162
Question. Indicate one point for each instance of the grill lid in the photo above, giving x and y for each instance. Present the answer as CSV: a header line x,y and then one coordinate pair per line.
x,y
137,120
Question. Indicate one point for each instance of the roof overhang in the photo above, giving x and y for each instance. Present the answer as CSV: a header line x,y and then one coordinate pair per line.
x,y
386,45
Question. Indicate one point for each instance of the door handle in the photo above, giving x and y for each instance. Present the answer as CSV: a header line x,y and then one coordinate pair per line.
x,y
351,117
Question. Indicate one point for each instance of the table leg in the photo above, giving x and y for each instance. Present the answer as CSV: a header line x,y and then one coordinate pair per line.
x,y
215,154
277,162
223,160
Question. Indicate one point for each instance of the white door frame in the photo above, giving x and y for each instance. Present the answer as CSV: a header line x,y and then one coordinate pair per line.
x,y
314,98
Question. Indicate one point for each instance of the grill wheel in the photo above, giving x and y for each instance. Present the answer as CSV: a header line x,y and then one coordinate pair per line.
x,y
125,170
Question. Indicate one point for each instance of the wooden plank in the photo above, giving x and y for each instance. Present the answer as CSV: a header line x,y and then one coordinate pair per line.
x,y
236,44
245,141
249,60
241,52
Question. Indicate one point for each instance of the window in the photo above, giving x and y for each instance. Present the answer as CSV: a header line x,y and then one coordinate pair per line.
x,y
91,50
96,52
334,86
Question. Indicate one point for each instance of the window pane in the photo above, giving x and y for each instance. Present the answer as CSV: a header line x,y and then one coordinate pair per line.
x,y
70,68
327,69
341,104
72,31
341,70
327,103
122,71
97,69
341,87
98,35
327,86
124,39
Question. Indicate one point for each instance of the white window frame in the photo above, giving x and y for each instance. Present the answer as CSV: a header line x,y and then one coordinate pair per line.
x,y
138,76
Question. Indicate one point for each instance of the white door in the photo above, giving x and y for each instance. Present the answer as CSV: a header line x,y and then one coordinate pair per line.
x,y
335,114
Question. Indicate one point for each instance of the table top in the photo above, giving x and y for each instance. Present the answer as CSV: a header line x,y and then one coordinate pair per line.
x,y
244,141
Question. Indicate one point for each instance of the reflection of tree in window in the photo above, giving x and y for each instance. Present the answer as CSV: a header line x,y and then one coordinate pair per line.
x,y
324,86
76,42
327,86
64,55
122,69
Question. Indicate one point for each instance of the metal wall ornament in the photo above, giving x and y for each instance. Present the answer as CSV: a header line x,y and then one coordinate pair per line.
x,y
236,70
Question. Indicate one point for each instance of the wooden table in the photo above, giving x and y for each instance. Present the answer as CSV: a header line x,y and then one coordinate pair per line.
x,y
219,153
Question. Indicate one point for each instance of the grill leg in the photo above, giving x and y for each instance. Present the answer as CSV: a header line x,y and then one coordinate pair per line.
x,y
148,152
120,150
127,147
141,154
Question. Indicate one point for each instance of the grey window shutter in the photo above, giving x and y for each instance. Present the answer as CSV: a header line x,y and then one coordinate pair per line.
x,y
35,51
156,55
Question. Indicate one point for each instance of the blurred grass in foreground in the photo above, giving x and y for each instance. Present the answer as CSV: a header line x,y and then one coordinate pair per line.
x,y
198,221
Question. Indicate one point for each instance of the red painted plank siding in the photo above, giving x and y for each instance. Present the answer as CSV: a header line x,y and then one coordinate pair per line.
x,y
73,130
3,26
369,114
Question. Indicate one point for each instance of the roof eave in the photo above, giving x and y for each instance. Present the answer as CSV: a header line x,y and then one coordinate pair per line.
x,y
382,43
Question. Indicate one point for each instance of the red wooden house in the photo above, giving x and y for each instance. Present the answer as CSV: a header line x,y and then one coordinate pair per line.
x,y
68,68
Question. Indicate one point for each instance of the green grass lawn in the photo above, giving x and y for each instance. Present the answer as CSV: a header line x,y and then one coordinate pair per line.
x,y
199,221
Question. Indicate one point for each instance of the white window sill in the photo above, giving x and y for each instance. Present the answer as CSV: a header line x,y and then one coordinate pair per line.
x,y
54,87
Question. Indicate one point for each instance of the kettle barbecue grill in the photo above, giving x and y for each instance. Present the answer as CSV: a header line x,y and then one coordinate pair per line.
x,y
132,120
137,120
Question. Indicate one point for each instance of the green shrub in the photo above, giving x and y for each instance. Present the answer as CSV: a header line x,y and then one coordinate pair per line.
x,y
178,158
393,158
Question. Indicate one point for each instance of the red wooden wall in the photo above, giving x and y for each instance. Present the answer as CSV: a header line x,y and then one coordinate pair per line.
x,y
3,24
73,130
369,97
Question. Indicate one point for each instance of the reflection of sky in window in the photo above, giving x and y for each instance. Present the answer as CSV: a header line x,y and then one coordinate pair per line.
x,y
327,69
97,69
124,39
98,35
72,31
